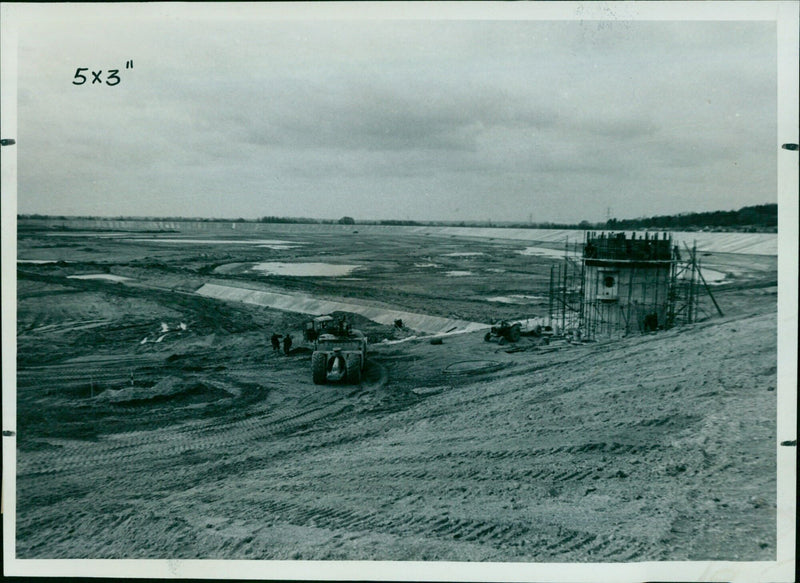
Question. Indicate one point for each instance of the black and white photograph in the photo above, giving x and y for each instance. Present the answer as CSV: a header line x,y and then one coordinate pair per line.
x,y
400,291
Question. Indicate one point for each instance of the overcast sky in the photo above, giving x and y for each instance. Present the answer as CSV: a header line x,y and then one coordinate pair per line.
x,y
451,120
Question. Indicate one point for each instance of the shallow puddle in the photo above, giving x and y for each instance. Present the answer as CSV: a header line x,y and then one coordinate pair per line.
x,y
542,252
108,276
269,243
457,273
305,269
712,276
515,299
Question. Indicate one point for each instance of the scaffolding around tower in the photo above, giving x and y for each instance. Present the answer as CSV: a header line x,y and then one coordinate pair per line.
x,y
615,284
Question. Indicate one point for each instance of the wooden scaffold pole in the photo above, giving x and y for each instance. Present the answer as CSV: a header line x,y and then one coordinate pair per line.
x,y
550,306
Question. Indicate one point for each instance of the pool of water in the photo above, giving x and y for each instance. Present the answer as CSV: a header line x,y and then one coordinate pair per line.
x,y
516,299
542,252
268,243
457,273
305,269
712,276
107,276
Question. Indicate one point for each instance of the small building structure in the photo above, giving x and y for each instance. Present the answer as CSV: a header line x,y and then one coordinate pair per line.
x,y
614,284
627,283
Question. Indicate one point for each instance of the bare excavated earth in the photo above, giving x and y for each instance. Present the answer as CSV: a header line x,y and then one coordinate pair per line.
x,y
155,423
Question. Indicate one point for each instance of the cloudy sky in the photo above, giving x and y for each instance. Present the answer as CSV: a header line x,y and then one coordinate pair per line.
x,y
247,116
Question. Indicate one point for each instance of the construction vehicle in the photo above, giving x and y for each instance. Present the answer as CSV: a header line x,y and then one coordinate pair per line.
x,y
504,331
317,326
340,352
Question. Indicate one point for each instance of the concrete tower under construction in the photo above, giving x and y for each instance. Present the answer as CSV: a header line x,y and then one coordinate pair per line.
x,y
627,283
615,284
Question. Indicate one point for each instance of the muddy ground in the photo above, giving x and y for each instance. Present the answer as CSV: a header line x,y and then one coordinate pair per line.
x,y
154,423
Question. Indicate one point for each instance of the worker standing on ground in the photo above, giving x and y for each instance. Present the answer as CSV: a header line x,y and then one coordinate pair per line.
x,y
287,344
276,342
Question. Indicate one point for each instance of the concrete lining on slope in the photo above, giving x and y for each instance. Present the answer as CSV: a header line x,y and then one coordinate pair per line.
x,y
309,305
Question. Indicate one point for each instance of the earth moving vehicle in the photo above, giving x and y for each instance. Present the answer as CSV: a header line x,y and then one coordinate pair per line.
x,y
504,331
340,353
317,326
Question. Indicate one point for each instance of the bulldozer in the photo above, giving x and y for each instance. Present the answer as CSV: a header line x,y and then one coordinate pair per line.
x,y
340,352
504,331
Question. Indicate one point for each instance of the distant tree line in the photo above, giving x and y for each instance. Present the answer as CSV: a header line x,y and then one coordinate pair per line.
x,y
295,220
403,223
763,217
758,218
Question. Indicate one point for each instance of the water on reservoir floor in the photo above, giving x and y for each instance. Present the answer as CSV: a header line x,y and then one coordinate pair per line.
x,y
107,276
271,243
305,269
542,251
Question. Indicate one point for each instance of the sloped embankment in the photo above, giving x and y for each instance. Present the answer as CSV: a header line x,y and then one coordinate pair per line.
x,y
310,305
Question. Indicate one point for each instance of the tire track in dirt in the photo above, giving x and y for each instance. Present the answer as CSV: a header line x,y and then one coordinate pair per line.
x,y
529,453
542,539
168,442
246,427
539,477
109,366
61,327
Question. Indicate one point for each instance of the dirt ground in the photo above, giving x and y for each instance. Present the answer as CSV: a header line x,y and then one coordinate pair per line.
x,y
155,423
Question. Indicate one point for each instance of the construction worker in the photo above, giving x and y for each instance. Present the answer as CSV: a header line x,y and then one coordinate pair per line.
x,y
287,344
